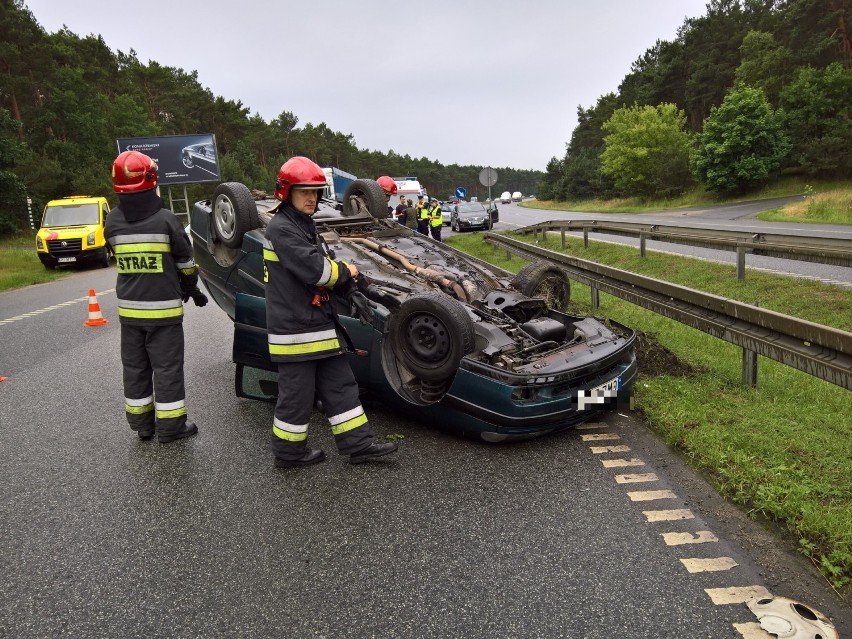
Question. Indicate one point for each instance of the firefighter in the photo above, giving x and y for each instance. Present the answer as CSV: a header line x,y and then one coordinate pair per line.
x,y
421,210
436,219
389,187
304,333
156,274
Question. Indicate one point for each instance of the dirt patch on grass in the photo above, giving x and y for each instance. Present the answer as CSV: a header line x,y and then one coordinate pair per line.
x,y
654,359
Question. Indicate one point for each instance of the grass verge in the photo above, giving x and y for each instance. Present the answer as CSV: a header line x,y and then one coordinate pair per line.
x,y
781,450
19,264
700,197
829,207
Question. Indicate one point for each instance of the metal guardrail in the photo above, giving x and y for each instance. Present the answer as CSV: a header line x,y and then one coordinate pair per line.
x,y
821,250
821,351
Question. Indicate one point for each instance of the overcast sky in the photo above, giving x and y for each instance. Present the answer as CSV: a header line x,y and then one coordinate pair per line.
x,y
485,83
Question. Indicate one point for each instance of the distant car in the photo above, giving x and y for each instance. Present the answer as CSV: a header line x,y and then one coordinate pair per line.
x,y
446,213
516,196
506,198
453,341
471,216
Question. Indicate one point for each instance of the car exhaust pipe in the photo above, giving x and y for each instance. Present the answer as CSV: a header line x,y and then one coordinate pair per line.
x,y
427,273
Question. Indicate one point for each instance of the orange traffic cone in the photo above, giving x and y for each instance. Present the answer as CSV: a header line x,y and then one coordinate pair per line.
x,y
95,317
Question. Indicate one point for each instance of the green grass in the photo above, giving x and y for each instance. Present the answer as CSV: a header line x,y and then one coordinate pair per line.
x,y
19,264
782,450
827,207
700,197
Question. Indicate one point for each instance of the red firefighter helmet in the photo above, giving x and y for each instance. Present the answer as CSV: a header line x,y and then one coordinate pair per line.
x,y
298,171
133,172
387,184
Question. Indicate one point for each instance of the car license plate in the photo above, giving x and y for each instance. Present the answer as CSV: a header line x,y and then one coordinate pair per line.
x,y
597,395
67,259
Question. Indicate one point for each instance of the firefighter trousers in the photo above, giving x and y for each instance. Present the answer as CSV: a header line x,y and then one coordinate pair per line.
x,y
152,357
331,380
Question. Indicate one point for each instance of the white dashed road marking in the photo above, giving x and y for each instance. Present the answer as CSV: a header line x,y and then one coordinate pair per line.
x,y
737,594
679,539
713,564
650,495
621,463
676,514
52,308
635,479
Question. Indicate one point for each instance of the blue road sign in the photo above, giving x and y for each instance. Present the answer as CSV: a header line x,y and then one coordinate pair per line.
x,y
461,193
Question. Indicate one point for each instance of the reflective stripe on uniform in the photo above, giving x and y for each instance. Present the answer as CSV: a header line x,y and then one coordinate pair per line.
x,y
150,310
329,273
269,252
347,421
141,243
303,343
137,238
139,406
166,410
290,432
187,268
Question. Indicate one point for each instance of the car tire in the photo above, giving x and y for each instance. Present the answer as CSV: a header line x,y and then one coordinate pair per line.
x,y
105,258
49,267
364,194
234,213
546,281
430,334
187,161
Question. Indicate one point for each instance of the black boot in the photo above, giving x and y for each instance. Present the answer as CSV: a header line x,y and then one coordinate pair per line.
x,y
311,456
372,452
186,430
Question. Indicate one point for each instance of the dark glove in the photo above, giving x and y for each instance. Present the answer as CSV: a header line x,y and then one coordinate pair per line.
x,y
362,306
198,297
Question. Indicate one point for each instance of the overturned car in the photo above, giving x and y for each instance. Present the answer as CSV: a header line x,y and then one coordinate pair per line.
x,y
453,340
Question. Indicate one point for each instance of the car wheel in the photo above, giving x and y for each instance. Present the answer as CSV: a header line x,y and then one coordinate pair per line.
x,y
187,161
105,258
546,281
430,334
365,196
234,213
49,267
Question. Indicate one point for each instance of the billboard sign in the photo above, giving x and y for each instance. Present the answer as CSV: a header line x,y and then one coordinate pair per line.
x,y
181,159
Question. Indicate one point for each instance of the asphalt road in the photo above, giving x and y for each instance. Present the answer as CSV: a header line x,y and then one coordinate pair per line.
x,y
735,217
102,535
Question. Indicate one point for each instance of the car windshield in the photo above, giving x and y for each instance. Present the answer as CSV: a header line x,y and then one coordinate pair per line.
x,y
71,214
471,208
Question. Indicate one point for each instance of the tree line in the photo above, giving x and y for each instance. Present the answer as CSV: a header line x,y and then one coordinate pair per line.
x,y
65,99
752,90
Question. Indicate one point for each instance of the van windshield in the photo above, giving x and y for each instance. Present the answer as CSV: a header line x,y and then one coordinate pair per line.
x,y
71,214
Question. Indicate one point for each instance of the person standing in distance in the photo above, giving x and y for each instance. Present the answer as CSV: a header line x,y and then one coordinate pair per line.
x,y
436,219
422,213
304,332
402,211
156,274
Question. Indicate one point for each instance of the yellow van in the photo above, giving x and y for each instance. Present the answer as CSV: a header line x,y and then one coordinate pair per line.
x,y
72,232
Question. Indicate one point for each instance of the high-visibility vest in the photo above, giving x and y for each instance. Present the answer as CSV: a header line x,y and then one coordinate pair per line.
x,y
423,212
436,218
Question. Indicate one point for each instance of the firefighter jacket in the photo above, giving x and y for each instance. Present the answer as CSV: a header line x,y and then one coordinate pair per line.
x,y
300,274
436,217
153,257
